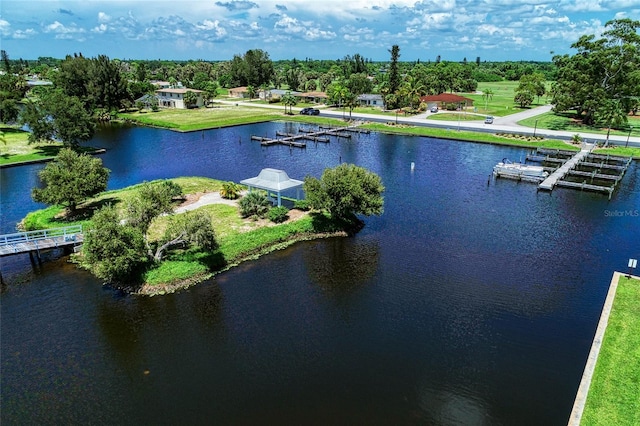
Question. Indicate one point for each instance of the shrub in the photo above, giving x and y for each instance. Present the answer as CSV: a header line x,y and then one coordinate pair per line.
x,y
278,214
254,204
230,190
302,205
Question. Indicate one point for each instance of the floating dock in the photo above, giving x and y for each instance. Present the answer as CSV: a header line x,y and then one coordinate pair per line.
x,y
554,177
297,140
584,170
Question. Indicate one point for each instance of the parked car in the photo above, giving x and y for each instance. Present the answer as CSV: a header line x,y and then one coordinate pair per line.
x,y
488,120
310,111
434,109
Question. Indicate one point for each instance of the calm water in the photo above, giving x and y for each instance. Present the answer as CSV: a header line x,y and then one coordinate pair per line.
x,y
465,303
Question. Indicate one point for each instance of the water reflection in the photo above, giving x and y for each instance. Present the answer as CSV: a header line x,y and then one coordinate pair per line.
x,y
462,303
346,265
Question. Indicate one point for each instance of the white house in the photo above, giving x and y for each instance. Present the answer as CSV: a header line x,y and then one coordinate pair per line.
x,y
369,99
174,98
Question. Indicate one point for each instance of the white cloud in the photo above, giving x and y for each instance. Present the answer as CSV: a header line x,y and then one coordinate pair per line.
x,y
102,28
5,27
103,17
212,29
24,34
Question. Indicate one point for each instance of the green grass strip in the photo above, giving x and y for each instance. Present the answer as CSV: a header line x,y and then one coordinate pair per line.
x,y
614,394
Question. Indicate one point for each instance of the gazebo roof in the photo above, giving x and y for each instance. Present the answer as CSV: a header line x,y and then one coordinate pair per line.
x,y
272,180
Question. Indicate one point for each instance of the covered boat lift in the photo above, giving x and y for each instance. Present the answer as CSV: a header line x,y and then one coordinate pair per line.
x,y
274,181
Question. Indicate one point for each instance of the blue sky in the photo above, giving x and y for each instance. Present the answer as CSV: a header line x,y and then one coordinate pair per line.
x,y
495,30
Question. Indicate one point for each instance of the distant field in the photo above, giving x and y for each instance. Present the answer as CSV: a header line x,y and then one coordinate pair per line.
x,y
501,102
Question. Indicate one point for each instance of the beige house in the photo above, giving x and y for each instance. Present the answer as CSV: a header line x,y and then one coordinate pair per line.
x,y
174,98
315,97
239,92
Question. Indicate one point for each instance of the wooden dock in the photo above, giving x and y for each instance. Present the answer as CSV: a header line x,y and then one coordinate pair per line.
x,y
581,170
297,140
554,177
45,239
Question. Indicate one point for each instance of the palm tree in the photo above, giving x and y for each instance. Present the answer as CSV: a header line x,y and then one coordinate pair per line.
x,y
612,115
289,100
230,190
486,95
351,101
251,91
413,88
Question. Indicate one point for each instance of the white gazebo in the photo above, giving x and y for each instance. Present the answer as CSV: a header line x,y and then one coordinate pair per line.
x,y
273,180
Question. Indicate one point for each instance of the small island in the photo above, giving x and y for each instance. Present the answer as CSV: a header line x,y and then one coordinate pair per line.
x,y
157,237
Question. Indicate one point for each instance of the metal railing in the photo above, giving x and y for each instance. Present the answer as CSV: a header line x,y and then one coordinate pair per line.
x,y
67,233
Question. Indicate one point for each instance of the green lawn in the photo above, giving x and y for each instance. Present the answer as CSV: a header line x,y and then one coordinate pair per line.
x,y
614,394
469,136
501,102
566,122
17,148
204,118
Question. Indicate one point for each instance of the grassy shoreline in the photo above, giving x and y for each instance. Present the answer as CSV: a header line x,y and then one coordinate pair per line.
x,y
614,394
239,239
18,151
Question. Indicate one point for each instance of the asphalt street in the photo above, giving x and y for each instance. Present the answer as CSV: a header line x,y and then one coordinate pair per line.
x,y
507,124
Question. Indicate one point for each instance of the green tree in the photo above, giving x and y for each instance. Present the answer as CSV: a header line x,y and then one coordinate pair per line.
x,y
190,99
288,100
58,116
152,200
259,68
350,101
293,77
12,89
114,251
359,83
345,191
210,91
70,179
487,95
251,91
413,89
73,78
200,81
141,72
191,229
107,86
611,115
603,69
523,97
530,86
394,73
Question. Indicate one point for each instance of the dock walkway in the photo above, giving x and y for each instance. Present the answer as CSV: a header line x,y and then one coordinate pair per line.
x,y
553,179
295,140
44,239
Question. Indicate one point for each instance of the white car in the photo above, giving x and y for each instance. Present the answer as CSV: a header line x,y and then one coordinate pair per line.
x,y
488,120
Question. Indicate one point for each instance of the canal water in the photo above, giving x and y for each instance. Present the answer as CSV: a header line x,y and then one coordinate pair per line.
x,y
469,301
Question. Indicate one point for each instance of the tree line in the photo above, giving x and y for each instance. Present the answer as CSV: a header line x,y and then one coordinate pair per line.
x,y
600,83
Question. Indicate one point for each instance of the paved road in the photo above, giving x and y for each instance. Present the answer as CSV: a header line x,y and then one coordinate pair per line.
x,y
507,124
